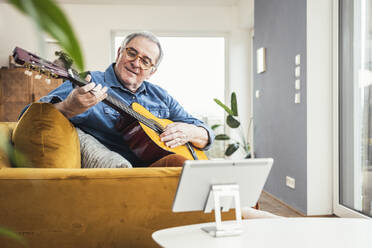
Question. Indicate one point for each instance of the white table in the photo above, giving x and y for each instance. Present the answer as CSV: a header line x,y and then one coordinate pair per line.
x,y
276,233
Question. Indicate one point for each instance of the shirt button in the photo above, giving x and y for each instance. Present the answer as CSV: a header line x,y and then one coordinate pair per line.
x,y
133,97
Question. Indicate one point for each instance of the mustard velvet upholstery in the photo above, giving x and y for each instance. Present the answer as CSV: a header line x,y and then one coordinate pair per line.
x,y
5,136
47,138
103,208
91,208
7,128
4,162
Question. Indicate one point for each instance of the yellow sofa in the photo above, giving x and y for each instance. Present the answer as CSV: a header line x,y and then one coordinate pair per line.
x,y
53,207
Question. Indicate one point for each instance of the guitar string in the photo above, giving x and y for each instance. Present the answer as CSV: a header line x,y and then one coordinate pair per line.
x,y
148,122
157,128
116,102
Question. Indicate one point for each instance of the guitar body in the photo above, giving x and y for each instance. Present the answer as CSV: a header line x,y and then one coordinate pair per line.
x,y
145,142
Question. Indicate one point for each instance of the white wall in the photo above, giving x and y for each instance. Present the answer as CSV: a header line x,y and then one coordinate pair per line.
x,y
93,25
240,76
319,106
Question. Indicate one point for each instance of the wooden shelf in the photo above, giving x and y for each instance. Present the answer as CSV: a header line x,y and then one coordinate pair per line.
x,y
17,90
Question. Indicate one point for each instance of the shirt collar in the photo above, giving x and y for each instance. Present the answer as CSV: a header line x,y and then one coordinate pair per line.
x,y
112,81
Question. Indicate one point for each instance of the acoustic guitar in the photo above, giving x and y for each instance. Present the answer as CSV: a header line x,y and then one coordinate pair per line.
x,y
142,128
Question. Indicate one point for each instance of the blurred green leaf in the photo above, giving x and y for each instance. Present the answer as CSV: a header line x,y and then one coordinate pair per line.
x,y
50,18
231,149
215,126
232,122
12,235
222,137
16,158
234,104
227,109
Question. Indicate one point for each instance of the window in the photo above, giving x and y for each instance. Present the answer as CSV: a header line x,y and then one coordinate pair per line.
x,y
355,106
193,72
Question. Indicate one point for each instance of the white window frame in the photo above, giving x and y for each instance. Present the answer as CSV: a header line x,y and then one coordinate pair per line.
x,y
338,209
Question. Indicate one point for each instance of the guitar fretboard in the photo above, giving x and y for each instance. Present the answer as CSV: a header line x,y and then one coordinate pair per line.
x,y
127,109
121,107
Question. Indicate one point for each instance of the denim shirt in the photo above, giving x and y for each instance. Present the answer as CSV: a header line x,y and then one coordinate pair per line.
x,y
100,119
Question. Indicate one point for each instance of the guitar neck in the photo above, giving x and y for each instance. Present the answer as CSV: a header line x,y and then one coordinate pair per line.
x,y
119,105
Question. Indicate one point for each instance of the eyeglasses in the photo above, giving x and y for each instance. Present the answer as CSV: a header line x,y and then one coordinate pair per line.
x,y
144,62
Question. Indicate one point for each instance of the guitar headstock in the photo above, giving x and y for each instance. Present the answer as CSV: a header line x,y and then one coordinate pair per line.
x,y
42,66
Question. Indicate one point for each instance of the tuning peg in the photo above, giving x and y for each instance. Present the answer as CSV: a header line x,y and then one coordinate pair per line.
x,y
28,73
37,76
48,75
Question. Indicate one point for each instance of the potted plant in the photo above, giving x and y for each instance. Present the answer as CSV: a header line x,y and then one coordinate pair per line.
x,y
232,121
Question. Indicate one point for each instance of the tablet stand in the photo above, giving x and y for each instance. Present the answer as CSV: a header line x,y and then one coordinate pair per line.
x,y
220,198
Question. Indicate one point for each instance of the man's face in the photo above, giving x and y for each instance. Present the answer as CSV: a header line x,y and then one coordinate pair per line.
x,y
128,70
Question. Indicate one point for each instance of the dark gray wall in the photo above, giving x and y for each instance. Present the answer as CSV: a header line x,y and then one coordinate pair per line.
x,y
279,123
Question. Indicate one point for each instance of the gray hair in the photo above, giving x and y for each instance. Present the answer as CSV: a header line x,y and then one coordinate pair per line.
x,y
148,35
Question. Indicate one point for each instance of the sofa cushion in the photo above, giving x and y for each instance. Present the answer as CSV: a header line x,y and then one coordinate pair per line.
x,y
96,155
47,138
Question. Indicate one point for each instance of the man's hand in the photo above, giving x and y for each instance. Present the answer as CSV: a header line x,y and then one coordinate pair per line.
x,y
179,133
81,99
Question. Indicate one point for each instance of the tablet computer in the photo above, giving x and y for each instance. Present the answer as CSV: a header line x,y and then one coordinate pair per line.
x,y
198,176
